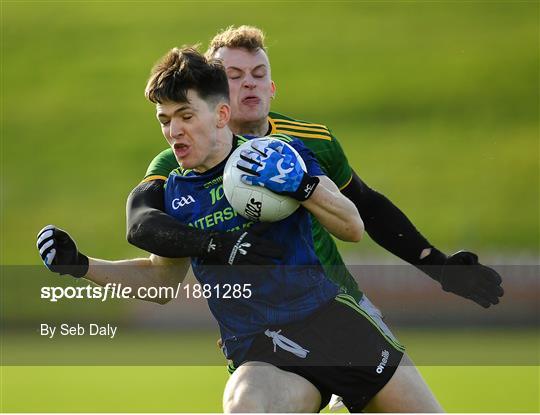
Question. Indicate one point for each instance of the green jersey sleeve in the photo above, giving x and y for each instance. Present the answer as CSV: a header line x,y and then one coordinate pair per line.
x,y
161,166
319,139
333,161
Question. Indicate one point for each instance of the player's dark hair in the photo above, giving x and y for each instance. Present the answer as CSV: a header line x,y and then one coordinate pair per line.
x,y
181,70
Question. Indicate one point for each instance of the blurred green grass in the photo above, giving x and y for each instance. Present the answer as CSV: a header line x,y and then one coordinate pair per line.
x,y
199,389
460,388
436,105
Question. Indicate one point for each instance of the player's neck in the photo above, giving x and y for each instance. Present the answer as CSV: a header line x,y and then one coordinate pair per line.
x,y
220,151
256,128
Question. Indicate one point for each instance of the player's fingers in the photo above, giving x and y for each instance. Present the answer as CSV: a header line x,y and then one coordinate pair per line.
x,y
251,180
251,157
470,258
246,179
246,168
43,235
492,284
248,165
50,257
463,258
61,236
489,296
46,246
45,228
276,145
493,289
485,291
491,275
260,147
480,300
490,280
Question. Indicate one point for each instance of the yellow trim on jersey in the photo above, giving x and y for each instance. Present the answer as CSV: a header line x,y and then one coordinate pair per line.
x,y
306,135
273,128
313,130
301,123
346,184
155,177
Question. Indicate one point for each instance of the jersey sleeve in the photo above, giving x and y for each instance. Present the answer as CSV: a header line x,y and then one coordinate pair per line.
x,y
161,166
312,165
334,162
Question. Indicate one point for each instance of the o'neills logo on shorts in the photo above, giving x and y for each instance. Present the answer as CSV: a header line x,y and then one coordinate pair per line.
x,y
385,355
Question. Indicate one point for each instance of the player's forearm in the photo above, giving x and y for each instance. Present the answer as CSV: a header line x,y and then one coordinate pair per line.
x,y
128,272
152,230
335,212
387,225
137,273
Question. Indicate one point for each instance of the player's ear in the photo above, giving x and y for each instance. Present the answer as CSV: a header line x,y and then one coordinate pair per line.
x,y
223,113
273,88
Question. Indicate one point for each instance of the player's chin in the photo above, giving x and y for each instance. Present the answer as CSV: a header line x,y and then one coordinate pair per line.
x,y
252,113
187,162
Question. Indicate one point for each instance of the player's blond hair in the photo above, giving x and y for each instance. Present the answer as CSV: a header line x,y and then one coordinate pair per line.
x,y
250,38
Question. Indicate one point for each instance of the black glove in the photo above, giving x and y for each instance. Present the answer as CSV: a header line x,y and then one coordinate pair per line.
x,y
244,247
59,252
463,275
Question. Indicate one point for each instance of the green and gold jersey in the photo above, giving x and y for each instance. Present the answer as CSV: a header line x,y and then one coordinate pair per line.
x,y
334,163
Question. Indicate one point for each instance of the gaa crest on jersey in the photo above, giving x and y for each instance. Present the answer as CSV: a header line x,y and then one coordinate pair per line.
x,y
180,202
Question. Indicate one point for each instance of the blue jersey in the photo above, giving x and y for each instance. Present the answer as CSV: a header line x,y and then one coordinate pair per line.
x,y
287,292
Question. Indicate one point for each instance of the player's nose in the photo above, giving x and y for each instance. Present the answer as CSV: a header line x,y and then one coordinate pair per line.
x,y
249,82
176,129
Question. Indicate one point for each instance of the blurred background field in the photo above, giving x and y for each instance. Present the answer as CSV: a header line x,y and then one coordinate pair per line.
x,y
198,389
435,104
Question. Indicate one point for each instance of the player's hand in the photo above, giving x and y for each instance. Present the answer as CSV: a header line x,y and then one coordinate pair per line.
x,y
246,247
463,275
59,252
277,168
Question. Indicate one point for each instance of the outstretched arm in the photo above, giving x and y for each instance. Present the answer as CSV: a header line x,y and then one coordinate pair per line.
x,y
386,224
138,273
61,255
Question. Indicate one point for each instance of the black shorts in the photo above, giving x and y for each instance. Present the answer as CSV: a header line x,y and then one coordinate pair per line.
x,y
341,349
